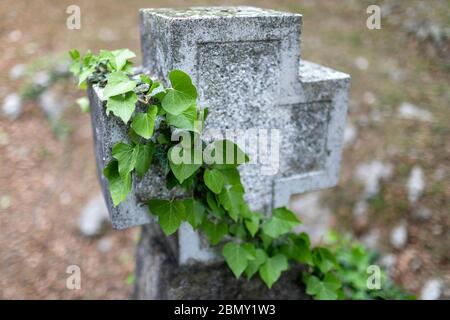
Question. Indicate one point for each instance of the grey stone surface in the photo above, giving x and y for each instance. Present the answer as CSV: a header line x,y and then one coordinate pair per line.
x,y
107,131
246,65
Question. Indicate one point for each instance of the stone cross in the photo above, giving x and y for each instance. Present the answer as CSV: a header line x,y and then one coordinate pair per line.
x,y
246,65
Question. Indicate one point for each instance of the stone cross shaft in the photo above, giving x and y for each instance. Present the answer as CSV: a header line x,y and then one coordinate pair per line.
x,y
246,65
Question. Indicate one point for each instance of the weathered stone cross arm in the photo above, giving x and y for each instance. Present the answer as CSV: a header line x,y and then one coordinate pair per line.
x,y
246,64
328,89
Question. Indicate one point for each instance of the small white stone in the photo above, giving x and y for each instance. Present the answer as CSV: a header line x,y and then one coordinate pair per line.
x,y
439,174
370,175
376,116
62,67
411,112
15,35
369,98
397,74
30,48
416,184
371,239
17,71
5,202
361,63
42,79
65,198
388,262
93,216
104,244
399,235
423,213
431,290
437,229
360,208
12,106
52,104
350,134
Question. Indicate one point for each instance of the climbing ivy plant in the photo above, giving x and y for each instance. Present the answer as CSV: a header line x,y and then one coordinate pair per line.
x,y
213,202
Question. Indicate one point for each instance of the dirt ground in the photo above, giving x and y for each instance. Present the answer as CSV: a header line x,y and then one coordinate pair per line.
x,y
46,178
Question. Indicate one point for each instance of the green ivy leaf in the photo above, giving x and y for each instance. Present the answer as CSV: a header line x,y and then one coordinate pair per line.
x,y
328,289
188,184
254,265
120,58
231,176
144,154
298,248
324,260
237,257
118,83
89,60
105,55
134,137
144,123
231,199
185,120
252,223
126,156
170,214
195,212
237,230
281,222
146,79
182,95
213,205
215,231
214,180
225,154
271,270
161,156
83,75
119,186
75,55
266,240
157,91
75,65
122,106
183,171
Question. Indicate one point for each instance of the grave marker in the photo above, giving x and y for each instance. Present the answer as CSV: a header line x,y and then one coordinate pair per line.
x,y
246,65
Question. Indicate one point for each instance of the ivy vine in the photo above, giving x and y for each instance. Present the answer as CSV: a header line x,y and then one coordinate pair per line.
x,y
252,243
